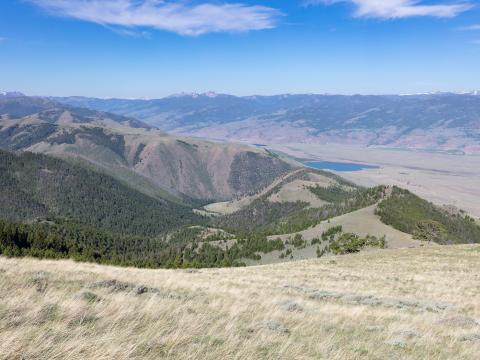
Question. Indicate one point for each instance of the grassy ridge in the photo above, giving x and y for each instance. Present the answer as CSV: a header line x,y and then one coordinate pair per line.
x,y
267,218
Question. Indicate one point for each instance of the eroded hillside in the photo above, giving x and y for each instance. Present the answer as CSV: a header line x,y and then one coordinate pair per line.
x,y
125,147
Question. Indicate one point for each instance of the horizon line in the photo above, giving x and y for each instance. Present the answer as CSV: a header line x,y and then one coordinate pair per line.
x,y
213,94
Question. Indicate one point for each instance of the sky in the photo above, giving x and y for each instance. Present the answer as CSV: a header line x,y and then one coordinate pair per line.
x,y
154,48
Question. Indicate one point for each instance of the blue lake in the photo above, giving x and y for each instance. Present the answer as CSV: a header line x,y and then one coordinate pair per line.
x,y
338,166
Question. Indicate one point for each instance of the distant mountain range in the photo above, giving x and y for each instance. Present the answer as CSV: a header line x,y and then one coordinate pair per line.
x,y
437,121
16,105
132,151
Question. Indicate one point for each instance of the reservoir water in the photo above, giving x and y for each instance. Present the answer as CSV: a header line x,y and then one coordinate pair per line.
x,y
338,166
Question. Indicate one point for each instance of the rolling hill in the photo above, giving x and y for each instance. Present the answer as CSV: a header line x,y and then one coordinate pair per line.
x,y
438,121
138,154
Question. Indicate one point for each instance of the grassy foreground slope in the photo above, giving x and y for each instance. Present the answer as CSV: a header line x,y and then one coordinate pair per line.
x,y
390,304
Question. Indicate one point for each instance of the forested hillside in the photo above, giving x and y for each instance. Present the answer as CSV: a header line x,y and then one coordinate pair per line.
x,y
35,186
270,218
86,243
425,221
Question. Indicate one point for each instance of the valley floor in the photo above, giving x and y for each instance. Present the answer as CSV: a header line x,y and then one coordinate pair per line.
x,y
387,304
438,177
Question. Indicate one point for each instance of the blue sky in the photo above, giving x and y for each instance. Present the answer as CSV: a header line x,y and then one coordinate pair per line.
x,y
153,48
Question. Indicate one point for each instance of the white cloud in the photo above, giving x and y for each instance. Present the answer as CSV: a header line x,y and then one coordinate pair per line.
x,y
392,9
471,27
181,17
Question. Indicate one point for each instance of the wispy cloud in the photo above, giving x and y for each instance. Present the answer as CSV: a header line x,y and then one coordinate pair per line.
x,y
182,17
471,27
2,39
129,32
394,9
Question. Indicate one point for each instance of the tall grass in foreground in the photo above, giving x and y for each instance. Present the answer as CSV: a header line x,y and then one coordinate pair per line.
x,y
389,304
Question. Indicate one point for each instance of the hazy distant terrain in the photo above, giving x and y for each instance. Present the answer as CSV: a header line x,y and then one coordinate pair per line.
x,y
136,152
440,121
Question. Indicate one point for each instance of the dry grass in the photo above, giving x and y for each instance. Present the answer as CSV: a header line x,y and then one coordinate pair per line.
x,y
362,222
387,304
298,190
229,207
295,190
